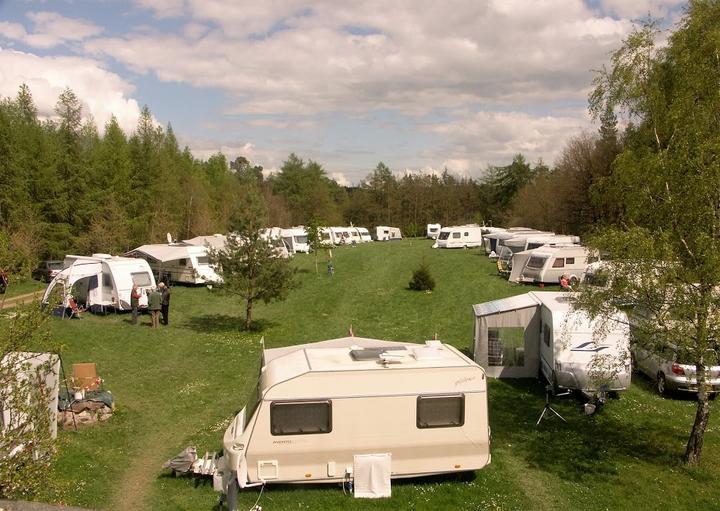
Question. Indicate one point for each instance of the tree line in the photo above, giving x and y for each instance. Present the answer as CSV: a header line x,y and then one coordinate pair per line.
x,y
68,188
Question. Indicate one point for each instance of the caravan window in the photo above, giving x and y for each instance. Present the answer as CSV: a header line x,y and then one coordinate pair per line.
x,y
536,262
447,411
301,239
570,260
559,263
107,280
444,235
300,417
466,234
203,260
456,235
182,262
141,279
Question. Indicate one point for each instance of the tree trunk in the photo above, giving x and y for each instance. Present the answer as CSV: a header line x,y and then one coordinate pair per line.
x,y
697,435
248,313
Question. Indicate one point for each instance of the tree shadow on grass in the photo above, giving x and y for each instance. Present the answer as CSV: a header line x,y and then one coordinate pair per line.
x,y
217,323
584,447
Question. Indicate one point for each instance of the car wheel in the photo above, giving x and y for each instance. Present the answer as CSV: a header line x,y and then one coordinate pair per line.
x,y
661,384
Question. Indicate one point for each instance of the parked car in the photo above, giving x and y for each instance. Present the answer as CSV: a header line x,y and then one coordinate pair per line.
x,y
672,372
47,270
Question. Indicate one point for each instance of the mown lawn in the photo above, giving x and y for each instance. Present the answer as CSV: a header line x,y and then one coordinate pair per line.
x,y
181,384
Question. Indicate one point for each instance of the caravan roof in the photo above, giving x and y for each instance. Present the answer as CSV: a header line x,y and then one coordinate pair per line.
x,y
216,241
164,252
337,355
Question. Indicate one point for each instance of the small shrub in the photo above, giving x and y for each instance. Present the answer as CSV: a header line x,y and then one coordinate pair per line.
x,y
422,280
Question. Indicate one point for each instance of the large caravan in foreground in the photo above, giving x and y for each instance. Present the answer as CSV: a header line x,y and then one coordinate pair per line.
x,y
422,408
540,333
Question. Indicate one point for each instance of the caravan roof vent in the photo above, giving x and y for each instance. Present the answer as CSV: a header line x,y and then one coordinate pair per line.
x,y
371,353
102,256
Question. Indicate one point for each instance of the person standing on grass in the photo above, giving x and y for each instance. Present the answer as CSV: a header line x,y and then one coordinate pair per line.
x,y
134,303
165,303
154,306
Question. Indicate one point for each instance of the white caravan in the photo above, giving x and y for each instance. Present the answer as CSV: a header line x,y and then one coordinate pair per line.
x,y
274,236
548,263
459,236
491,239
523,242
422,409
296,240
100,282
364,234
432,231
577,352
385,233
539,332
355,236
178,262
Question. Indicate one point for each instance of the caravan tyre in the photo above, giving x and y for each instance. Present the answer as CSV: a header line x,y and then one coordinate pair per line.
x,y
574,281
661,384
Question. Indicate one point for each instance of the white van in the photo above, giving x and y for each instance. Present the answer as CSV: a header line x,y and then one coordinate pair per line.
x,y
318,406
459,236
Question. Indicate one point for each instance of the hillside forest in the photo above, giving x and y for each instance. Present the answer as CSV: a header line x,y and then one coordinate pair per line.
x,y
68,187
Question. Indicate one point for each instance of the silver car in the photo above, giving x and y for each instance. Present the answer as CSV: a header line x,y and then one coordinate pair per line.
x,y
671,372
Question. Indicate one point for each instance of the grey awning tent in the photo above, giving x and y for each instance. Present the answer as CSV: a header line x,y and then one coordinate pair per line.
x,y
506,336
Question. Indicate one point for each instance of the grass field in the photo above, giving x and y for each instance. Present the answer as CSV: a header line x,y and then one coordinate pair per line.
x,y
181,384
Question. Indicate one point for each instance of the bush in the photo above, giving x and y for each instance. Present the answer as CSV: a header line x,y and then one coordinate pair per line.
x,y
422,280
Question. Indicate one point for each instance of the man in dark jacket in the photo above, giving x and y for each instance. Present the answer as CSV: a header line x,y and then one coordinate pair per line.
x,y
165,291
154,305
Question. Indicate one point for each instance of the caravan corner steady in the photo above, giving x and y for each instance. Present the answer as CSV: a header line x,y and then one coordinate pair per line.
x,y
321,404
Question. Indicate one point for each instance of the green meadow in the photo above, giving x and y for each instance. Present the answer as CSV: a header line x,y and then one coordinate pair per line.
x,y
181,384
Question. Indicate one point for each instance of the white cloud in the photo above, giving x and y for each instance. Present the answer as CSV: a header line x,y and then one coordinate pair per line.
x,y
279,57
480,139
103,93
50,29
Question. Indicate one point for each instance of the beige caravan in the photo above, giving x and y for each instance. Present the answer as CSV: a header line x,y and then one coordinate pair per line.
x,y
421,407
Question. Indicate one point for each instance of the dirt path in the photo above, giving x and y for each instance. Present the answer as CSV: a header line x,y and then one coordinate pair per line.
x,y
7,303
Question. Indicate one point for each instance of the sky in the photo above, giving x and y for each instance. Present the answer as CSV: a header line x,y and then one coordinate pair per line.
x,y
421,85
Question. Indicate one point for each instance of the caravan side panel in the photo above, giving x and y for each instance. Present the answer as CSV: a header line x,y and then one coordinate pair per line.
x,y
374,424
